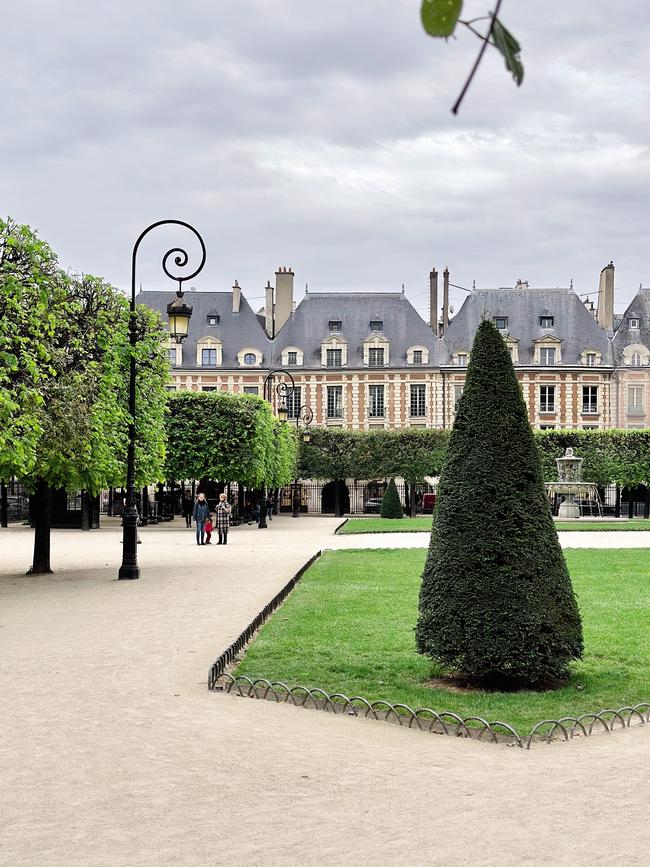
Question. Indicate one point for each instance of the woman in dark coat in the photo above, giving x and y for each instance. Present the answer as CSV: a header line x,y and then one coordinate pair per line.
x,y
223,512
201,513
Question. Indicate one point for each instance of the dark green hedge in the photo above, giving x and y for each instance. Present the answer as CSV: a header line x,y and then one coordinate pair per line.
x,y
391,507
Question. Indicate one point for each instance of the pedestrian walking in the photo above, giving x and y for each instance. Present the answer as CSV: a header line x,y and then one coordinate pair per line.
x,y
201,514
222,519
208,530
188,508
269,508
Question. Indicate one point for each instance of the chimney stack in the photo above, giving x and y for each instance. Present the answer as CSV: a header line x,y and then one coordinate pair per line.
x,y
268,310
283,296
445,300
433,301
236,297
605,314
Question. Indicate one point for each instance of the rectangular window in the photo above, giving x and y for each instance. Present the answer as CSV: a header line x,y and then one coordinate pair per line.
x,y
213,320
208,388
458,393
635,400
633,323
547,398
335,401
170,388
251,389
501,322
376,401
461,359
547,427
591,359
417,356
335,326
547,355
418,400
545,321
376,357
292,358
590,398
334,357
376,325
172,357
209,357
294,397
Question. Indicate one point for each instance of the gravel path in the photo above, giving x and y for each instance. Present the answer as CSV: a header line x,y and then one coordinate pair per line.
x,y
591,539
114,753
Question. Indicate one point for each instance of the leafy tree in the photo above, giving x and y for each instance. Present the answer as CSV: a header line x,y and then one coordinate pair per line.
x,y
440,18
229,437
391,507
496,601
71,389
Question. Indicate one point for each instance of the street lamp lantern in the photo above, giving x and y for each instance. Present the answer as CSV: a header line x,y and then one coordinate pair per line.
x,y
283,412
306,436
179,314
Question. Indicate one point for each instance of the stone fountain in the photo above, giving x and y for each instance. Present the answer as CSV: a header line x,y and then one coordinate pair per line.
x,y
570,485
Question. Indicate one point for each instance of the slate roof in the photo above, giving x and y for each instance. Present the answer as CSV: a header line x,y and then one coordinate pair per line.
x,y
235,330
402,326
639,308
573,324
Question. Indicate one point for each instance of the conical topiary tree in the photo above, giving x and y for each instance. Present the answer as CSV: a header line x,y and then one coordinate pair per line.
x,y
391,506
496,602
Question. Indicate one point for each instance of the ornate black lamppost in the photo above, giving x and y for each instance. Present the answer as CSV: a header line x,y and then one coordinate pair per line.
x,y
179,315
305,416
282,390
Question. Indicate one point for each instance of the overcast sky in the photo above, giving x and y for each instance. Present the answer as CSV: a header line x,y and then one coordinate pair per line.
x,y
318,135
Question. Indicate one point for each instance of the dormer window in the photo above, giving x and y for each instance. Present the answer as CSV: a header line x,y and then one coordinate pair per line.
x,y
376,325
208,358
547,355
213,319
292,358
376,356
590,359
501,322
334,358
335,326
546,322
461,359
634,323
249,358
417,356
635,359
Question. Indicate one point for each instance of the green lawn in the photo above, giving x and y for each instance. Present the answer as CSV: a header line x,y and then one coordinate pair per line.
x,y
423,525
348,627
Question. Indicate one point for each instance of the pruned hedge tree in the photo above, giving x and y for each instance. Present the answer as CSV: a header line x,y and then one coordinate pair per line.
x,y
391,507
496,602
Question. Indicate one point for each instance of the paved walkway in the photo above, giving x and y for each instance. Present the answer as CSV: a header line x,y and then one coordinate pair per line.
x,y
114,753
578,539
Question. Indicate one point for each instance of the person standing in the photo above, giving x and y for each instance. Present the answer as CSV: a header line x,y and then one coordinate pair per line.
x,y
201,514
188,508
222,519
269,508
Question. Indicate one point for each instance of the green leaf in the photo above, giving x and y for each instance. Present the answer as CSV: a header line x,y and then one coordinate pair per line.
x,y
439,17
508,46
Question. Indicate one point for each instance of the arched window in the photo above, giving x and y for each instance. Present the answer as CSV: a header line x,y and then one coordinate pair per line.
x,y
635,359
249,358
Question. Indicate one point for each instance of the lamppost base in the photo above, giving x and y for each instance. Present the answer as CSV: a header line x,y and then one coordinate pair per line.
x,y
128,573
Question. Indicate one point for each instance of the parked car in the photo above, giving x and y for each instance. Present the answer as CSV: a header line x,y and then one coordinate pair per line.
x,y
428,503
372,506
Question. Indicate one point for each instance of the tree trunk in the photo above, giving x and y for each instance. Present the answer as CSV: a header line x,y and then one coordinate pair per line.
x,y
646,504
42,515
413,500
85,511
617,503
4,507
110,502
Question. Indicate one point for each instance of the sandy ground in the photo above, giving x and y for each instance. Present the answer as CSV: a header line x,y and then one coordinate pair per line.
x,y
592,539
113,752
